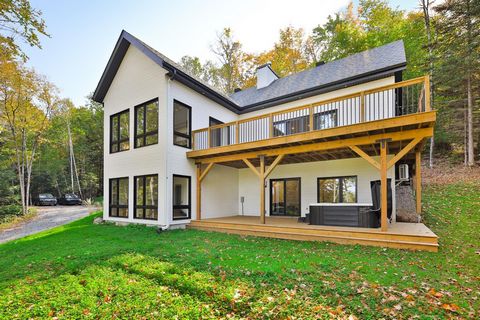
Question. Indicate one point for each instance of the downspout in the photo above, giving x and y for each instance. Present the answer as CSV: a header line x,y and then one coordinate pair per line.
x,y
167,220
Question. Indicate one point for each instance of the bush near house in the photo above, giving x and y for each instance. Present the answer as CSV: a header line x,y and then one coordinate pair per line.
x,y
83,270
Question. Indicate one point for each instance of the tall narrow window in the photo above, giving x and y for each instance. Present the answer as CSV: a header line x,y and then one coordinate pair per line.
x,y
146,197
181,197
182,124
337,189
146,124
118,199
119,131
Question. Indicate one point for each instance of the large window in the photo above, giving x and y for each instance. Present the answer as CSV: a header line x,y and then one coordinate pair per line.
x,y
182,124
146,197
325,120
181,197
146,124
119,131
337,189
118,198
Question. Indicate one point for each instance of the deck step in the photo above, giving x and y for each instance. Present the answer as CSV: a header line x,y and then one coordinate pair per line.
x,y
412,242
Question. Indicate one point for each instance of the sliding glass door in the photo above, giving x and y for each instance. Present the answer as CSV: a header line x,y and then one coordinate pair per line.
x,y
285,197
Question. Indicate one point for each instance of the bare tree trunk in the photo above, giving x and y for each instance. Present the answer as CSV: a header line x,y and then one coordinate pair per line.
x,y
471,157
426,4
465,137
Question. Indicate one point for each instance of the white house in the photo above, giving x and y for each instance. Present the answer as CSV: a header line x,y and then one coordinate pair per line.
x,y
178,152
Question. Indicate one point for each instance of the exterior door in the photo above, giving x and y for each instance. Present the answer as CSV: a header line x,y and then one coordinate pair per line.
x,y
285,197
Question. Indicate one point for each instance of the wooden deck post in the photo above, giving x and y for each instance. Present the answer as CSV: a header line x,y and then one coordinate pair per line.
x,y
418,180
383,187
199,192
262,189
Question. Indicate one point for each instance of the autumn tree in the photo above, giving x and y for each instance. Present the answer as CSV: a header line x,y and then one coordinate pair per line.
x,y
231,57
26,102
18,20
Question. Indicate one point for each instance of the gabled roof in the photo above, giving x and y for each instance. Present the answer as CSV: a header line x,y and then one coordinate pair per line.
x,y
175,71
358,68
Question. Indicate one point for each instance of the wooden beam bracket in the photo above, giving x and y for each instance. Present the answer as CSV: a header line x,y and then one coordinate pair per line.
x,y
365,156
273,165
251,166
403,152
205,172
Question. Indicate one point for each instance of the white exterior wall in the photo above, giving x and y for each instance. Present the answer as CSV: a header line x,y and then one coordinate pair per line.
x,y
308,174
138,80
217,199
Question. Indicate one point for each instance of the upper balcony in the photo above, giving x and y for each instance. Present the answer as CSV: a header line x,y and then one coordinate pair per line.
x,y
398,107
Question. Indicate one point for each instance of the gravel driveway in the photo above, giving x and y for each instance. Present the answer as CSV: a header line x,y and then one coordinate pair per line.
x,y
47,218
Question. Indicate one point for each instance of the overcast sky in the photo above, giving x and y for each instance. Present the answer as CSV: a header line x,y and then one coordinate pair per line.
x,y
84,32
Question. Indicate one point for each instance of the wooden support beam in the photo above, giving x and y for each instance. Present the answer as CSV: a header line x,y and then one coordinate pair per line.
x,y
262,189
205,172
273,165
418,180
365,156
378,125
383,187
199,192
404,151
251,166
323,146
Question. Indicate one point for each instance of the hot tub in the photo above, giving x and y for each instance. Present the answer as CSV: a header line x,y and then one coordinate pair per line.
x,y
344,214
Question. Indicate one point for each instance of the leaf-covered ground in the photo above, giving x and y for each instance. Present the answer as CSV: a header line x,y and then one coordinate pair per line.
x,y
83,270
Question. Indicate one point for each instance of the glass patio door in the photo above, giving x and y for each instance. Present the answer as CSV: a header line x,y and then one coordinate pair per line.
x,y
285,197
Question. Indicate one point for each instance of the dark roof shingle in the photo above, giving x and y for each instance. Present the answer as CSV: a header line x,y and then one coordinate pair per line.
x,y
374,60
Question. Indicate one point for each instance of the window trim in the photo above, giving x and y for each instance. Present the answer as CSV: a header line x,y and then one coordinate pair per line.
x,y
180,134
143,207
119,141
117,206
189,206
145,134
341,194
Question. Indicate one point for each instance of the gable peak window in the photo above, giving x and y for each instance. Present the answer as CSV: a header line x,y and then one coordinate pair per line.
x,y
182,124
146,124
120,131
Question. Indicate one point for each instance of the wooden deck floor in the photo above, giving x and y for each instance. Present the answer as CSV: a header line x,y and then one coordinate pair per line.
x,y
413,236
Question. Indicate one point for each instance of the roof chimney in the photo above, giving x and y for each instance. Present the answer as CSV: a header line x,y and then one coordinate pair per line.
x,y
265,75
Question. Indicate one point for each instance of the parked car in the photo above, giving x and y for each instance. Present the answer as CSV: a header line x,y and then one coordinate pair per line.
x,y
70,199
44,199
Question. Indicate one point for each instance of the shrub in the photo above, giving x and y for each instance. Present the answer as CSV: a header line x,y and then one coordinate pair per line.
x,y
10,210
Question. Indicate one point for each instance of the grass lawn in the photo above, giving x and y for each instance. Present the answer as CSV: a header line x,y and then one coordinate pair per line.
x,y
91,271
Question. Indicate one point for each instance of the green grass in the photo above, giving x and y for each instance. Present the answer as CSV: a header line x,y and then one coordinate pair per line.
x,y
83,270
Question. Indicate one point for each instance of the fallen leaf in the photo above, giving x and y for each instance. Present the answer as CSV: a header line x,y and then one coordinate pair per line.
x,y
450,307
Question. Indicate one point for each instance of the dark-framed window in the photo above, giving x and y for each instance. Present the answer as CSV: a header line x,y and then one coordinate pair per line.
x,y
118,197
337,189
146,197
325,119
181,197
321,120
120,131
182,124
146,124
